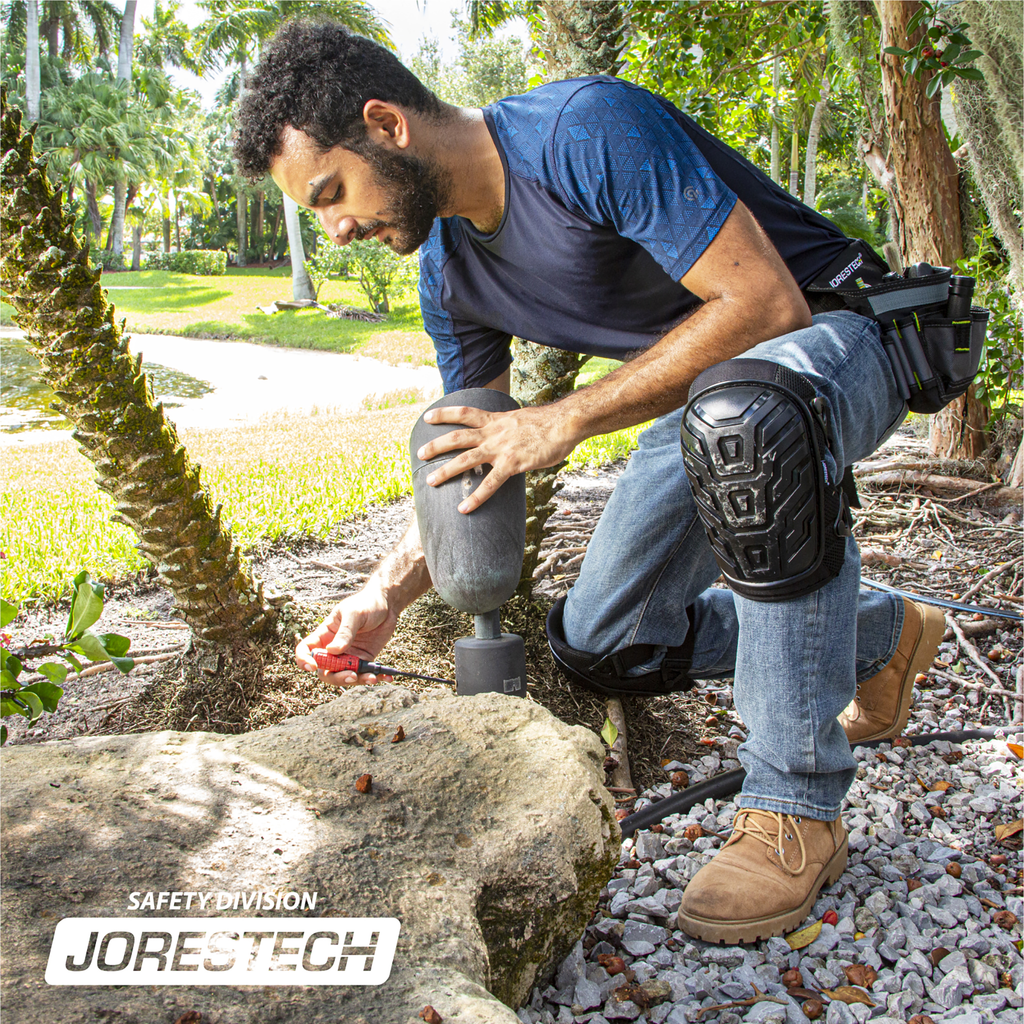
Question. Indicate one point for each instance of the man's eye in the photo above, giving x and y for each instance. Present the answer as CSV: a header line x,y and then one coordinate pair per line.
x,y
337,195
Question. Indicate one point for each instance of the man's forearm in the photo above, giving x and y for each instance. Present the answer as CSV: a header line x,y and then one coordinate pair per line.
x,y
402,574
658,379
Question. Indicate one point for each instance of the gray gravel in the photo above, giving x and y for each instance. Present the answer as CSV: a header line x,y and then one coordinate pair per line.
x,y
884,923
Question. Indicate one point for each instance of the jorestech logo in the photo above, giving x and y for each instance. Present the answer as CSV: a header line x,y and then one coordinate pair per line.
x,y
222,951
847,271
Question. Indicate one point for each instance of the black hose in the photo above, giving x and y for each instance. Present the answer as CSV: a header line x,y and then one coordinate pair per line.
x,y
941,602
728,783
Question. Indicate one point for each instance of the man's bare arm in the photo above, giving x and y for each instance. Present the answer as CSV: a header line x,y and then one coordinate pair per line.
x,y
749,297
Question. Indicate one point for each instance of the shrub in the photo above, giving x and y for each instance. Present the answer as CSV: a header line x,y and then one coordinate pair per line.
x,y
107,259
191,261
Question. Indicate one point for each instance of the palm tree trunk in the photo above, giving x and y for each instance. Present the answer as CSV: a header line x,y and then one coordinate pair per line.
x,y
302,286
32,88
137,247
241,208
776,165
124,74
95,220
811,156
101,389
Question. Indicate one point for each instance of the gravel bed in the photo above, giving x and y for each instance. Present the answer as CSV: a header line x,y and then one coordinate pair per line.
x,y
920,903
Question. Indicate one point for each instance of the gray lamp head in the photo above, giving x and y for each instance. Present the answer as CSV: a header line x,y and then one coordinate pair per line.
x,y
475,559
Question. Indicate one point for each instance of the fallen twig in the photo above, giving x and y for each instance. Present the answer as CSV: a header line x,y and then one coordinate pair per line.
x,y
971,651
757,997
998,570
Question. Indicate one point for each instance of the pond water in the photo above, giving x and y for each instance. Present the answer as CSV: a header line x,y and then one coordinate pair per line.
x,y
211,383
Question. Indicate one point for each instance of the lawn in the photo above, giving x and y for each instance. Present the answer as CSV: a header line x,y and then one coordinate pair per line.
x,y
161,302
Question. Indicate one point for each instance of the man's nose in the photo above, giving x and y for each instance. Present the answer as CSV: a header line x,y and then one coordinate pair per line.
x,y
340,230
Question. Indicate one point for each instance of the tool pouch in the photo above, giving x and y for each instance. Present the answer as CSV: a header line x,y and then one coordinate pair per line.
x,y
934,358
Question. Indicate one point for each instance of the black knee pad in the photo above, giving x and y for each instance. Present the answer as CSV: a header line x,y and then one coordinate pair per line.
x,y
606,674
754,439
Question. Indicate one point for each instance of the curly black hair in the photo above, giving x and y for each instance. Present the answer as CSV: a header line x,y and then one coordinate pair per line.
x,y
316,76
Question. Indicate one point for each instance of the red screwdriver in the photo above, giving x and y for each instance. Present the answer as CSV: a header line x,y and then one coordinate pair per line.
x,y
350,663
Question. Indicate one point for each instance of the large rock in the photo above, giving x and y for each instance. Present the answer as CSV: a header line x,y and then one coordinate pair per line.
x,y
487,833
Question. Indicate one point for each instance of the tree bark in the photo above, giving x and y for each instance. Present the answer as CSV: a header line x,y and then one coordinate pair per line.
x,y
776,164
302,286
137,247
261,197
926,197
794,162
100,387
241,204
811,156
124,74
279,214
117,217
33,91
95,220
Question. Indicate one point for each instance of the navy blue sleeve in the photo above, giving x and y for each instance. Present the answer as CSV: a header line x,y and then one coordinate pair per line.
x,y
622,160
468,355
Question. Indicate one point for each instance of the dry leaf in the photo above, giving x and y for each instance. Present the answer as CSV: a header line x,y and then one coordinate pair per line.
x,y
1005,831
364,783
802,993
861,974
190,1017
849,994
1016,749
937,955
692,832
1006,919
611,963
399,735
804,937
940,787
431,1016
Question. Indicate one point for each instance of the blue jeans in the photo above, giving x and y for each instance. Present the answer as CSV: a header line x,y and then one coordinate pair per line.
x,y
795,663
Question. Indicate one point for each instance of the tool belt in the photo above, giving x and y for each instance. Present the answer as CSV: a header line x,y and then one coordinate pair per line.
x,y
933,336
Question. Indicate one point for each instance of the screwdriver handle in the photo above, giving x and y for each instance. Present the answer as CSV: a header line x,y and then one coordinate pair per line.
x,y
340,662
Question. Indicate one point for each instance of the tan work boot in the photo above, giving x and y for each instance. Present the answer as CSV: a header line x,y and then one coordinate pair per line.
x,y
764,881
882,705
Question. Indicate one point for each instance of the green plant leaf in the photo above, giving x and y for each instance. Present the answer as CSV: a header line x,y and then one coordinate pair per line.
x,y
7,612
897,50
49,694
124,665
89,645
72,660
3,735
53,671
114,644
609,733
13,666
9,707
933,86
966,58
86,606
35,706
973,74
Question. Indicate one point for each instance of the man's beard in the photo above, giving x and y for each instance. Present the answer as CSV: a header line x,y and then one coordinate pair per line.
x,y
414,191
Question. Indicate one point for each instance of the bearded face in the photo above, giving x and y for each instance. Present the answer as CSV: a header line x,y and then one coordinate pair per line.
x,y
414,191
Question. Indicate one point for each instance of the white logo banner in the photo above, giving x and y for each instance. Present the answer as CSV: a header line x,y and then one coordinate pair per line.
x,y
222,951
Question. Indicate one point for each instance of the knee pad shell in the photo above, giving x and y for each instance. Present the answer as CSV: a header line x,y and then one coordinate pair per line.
x,y
607,675
754,439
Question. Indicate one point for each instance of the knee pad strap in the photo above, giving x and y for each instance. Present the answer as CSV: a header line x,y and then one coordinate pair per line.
x,y
754,439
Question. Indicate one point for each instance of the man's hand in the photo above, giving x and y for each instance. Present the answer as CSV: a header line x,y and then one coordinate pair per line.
x,y
509,442
361,625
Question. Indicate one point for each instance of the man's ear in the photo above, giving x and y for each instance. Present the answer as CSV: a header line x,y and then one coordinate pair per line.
x,y
386,124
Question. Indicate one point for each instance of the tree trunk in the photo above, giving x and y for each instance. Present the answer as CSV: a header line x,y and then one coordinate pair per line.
x,y
273,234
241,234
794,162
302,286
776,166
137,247
50,30
259,225
124,47
167,233
1015,477
124,74
32,87
117,218
578,37
101,389
926,198
95,220
811,156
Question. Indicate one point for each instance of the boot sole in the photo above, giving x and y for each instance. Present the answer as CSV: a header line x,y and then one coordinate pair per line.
x,y
933,626
754,929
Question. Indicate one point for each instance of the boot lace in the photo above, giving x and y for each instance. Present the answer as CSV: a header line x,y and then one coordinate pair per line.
x,y
788,826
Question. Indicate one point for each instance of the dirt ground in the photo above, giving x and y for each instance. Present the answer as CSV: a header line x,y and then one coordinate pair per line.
x,y
922,538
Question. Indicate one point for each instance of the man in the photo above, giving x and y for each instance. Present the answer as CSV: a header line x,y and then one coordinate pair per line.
x,y
593,216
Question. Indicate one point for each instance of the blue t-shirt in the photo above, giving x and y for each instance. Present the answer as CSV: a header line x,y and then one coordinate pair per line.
x,y
611,196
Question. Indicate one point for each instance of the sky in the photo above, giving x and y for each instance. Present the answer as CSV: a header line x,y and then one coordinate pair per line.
x,y
409,22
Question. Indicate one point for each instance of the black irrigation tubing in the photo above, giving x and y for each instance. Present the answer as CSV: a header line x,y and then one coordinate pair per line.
x,y
729,782
941,602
